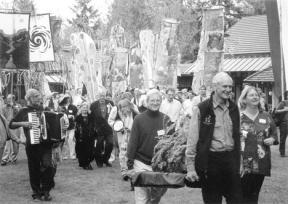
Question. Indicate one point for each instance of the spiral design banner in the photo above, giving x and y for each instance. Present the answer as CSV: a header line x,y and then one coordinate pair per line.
x,y
41,46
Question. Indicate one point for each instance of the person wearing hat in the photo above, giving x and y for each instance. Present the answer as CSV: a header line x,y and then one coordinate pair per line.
x,y
39,155
71,111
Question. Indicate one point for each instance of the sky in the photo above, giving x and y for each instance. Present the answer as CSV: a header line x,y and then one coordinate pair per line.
x,y
62,7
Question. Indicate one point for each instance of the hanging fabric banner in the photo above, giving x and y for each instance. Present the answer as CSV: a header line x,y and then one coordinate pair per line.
x,y
118,72
85,67
147,41
41,47
166,53
211,49
14,41
136,75
283,16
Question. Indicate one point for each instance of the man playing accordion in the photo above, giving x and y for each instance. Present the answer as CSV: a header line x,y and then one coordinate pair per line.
x,y
39,155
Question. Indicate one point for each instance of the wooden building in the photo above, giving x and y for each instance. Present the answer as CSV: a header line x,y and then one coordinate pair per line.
x,y
247,56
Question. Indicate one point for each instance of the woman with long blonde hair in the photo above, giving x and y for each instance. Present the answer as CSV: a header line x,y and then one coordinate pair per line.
x,y
258,133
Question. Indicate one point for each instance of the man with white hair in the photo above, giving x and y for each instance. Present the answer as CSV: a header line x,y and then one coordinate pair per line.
x,y
146,127
39,155
213,144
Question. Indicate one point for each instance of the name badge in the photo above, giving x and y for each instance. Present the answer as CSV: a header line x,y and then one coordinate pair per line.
x,y
160,132
262,121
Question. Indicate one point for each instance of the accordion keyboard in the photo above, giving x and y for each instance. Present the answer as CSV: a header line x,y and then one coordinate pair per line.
x,y
35,130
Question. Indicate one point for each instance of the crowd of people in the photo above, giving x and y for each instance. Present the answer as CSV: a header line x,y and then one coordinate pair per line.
x,y
228,143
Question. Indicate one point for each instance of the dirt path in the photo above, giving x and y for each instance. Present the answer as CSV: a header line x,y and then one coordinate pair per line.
x,y
104,186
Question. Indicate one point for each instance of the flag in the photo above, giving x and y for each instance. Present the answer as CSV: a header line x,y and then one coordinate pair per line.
x,y
41,46
14,41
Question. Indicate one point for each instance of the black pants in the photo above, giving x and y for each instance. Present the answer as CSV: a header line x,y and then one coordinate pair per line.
x,y
84,151
103,149
221,180
251,186
40,167
283,135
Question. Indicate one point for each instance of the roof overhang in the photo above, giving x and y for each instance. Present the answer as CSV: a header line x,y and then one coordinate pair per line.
x,y
240,64
265,75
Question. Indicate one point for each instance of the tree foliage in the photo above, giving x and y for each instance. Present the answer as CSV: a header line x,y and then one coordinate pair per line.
x,y
26,6
87,18
136,15
133,15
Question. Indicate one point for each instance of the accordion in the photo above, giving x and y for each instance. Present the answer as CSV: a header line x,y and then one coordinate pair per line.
x,y
47,127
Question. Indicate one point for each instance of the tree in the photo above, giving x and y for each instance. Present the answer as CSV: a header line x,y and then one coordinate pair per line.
x,y
136,15
133,16
26,6
87,18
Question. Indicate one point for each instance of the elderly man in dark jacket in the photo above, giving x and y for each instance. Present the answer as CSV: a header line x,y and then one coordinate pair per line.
x,y
100,110
213,145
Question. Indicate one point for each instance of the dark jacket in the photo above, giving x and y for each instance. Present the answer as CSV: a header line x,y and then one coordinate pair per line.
x,y
71,111
101,124
84,130
206,130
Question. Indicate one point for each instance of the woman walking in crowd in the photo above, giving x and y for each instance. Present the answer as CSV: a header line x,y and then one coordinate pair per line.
x,y
85,137
71,111
100,111
258,133
10,110
126,114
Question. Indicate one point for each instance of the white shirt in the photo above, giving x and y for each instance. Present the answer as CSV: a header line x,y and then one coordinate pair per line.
x,y
112,116
128,121
198,99
172,109
187,107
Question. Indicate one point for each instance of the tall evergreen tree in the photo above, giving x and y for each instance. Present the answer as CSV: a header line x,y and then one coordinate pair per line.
x,y
87,18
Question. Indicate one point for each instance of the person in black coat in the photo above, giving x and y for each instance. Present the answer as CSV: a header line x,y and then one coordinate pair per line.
x,y
100,110
85,136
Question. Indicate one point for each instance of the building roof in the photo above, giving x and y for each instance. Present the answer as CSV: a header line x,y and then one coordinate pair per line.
x,y
183,67
240,64
246,63
54,79
248,35
265,75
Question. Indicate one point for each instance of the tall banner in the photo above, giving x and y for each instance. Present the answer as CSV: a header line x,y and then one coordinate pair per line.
x,y
85,69
211,49
14,41
41,46
119,70
166,53
147,42
136,69
56,24
283,16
